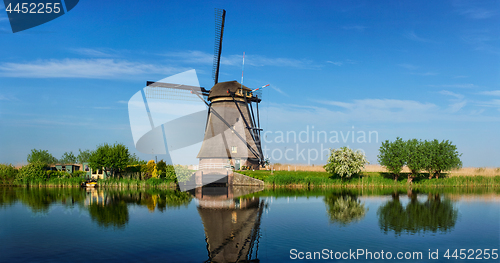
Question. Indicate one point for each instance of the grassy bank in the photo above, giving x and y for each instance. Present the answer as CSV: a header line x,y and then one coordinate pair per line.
x,y
368,179
77,181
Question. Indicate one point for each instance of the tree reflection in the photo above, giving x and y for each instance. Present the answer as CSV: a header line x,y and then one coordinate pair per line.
x,y
113,214
344,209
434,215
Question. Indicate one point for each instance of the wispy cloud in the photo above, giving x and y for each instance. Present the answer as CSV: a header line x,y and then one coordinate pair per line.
x,y
479,13
201,57
491,103
476,9
391,110
408,66
342,62
491,93
6,97
460,86
354,27
483,42
82,68
274,87
457,101
428,73
92,52
412,36
453,94
336,63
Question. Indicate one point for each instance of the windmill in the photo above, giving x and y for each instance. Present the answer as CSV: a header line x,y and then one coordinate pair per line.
x,y
232,128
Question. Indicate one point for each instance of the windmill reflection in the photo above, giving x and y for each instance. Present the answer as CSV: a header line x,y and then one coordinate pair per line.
x,y
232,224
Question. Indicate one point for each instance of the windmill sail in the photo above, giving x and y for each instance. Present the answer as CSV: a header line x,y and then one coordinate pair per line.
x,y
220,17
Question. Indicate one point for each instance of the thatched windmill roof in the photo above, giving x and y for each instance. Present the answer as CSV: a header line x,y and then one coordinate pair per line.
x,y
220,89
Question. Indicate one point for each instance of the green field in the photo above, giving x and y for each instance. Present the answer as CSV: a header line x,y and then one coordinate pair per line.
x,y
379,179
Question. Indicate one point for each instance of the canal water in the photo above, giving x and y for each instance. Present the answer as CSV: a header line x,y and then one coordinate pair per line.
x,y
219,224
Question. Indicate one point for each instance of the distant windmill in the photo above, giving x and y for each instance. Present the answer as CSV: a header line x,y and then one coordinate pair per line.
x,y
232,130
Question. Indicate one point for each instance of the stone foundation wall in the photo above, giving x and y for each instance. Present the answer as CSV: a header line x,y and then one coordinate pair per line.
x,y
240,179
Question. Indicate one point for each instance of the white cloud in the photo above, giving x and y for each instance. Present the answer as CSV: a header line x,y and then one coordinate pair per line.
x,y
355,27
408,66
412,36
278,90
91,52
429,73
201,57
8,98
449,93
462,86
82,68
374,110
479,13
336,63
491,93
457,100
491,103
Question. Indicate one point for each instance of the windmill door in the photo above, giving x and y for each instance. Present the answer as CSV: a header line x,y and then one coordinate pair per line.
x,y
237,164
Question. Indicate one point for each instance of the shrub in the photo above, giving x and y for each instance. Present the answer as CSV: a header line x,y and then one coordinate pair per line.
x,y
32,172
345,162
7,172
182,173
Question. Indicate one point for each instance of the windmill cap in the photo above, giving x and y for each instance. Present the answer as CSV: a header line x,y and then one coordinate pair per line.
x,y
220,89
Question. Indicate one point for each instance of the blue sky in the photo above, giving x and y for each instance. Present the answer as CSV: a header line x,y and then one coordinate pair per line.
x,y
426,70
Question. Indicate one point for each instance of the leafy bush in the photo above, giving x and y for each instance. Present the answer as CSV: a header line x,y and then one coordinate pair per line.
x,y
57,174
345,162
7,172
79,174
32,172
182,173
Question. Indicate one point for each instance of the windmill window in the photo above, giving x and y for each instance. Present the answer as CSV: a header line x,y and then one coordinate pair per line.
x,y
234,149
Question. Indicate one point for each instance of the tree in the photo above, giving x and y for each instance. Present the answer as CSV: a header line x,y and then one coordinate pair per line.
x,y
345,162
83,156
161,166
393,155
68,157
417,158
443,157
42,156
182,173
134,160
110,157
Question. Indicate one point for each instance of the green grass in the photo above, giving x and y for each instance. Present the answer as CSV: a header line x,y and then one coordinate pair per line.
x,y
152,182
324,179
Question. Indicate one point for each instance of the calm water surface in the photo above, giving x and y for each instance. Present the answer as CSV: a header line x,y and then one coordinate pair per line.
x,y
233,224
